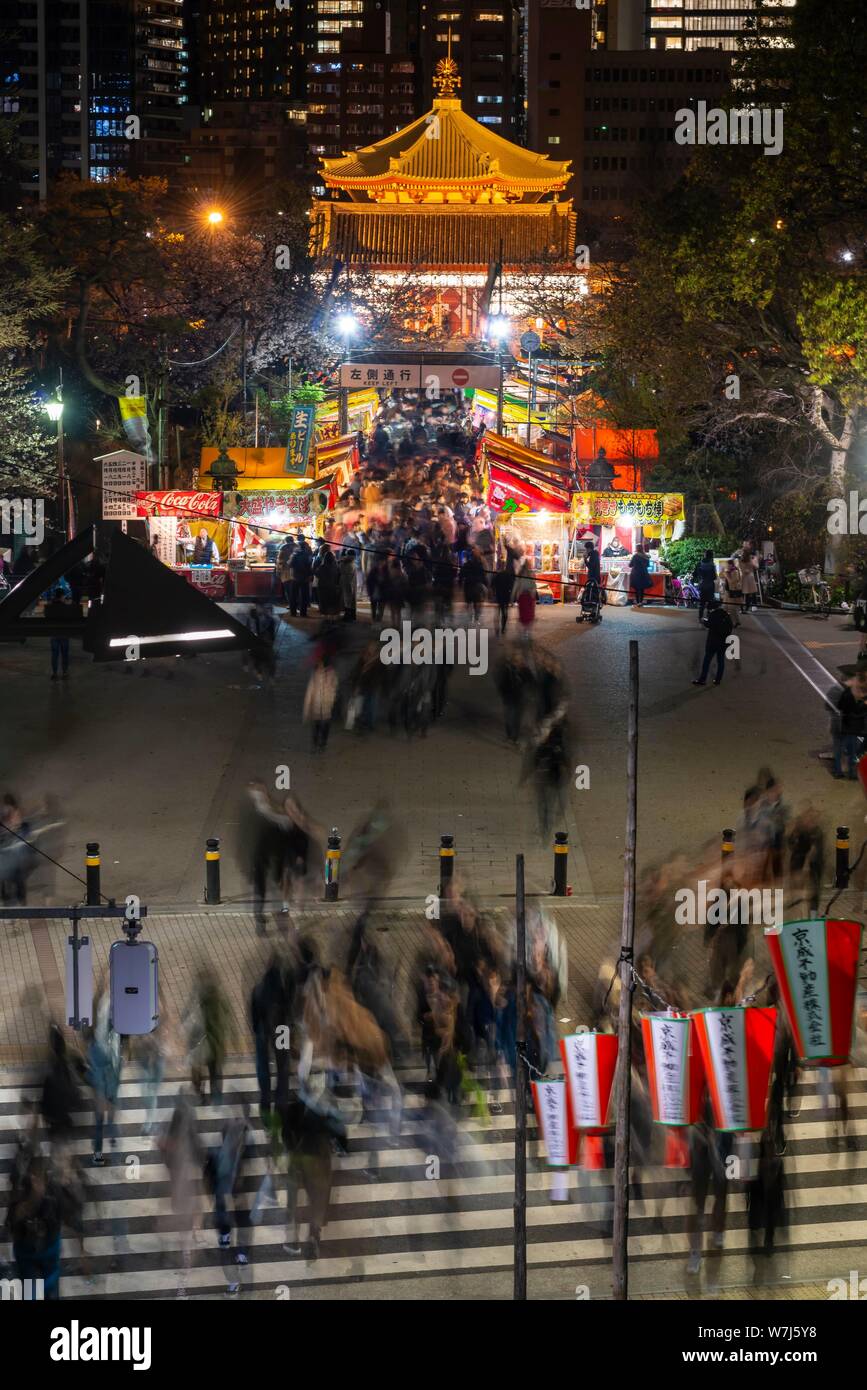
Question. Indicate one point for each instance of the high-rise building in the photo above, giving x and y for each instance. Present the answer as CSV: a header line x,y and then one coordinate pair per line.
x,y
76,70
558,40
485,40
720,24
246,49
363,74
618,24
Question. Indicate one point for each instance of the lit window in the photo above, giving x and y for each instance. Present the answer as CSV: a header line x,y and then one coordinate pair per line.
x,y
490,120
489,17
486,100
553,139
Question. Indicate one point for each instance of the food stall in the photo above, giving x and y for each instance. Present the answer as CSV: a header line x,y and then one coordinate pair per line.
x,y
618,522
530,507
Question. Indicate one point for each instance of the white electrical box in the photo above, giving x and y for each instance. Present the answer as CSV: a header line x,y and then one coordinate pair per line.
x,y
133,971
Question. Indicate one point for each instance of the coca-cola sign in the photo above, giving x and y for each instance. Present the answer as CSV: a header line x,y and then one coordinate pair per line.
x,y
179,503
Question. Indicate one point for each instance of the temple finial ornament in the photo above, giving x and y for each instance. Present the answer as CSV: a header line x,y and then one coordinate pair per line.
x,y
447,79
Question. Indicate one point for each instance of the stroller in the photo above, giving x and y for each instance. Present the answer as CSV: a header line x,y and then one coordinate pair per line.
x,y
592,601
686,593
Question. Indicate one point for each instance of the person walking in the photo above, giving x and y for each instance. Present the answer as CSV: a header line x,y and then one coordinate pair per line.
x,y
209,1030
326,573
525,597
104,1063
719,626
271,1006
473,581
639,575
319,702
301,570
182,1154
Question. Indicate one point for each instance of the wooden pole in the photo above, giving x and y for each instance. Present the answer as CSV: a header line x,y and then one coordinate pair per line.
x,y
520,1204
624,1031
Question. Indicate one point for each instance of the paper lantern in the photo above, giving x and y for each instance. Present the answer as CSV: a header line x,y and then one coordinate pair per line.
x,y
589,1060
675,1072
816,964
560,1140
737,1049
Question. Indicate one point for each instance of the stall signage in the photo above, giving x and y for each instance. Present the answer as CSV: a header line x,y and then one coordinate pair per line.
x,y
179,503
300,436
123,473
627,508
263,506
509,494
164,531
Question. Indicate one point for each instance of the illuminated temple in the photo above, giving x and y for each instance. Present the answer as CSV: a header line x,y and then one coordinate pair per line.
x,y
446,199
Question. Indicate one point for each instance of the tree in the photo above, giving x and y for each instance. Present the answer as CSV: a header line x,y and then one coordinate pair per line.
x,y
744,310
30,290
27,455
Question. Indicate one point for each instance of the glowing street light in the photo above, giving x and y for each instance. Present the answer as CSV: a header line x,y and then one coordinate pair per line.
x,y
214,217
54,410
347,325
499,327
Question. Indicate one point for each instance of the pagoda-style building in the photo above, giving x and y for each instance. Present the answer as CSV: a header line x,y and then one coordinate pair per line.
x,y
446,199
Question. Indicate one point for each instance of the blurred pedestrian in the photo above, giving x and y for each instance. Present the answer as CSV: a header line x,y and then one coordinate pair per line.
x,y
319,702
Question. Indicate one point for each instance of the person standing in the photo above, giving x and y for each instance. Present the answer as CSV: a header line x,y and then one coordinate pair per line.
x,y
301,569
719,625
848,728
749,567
319,702
284,569
205,550
348,585
503,585
59,610
639,575
731,590
704,575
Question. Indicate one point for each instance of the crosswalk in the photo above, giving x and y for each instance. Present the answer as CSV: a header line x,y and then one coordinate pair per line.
x,y
397,1215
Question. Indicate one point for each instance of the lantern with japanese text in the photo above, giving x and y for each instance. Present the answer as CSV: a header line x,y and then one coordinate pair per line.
x,y
589,1060
675,1076
737,1049
816,965
552,1113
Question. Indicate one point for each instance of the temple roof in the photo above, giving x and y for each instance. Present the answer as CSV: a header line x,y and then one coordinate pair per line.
x,y
447,151
444,234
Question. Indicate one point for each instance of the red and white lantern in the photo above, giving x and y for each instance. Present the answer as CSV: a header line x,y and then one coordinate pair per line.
x,y
737,1049
552,1114
675,1072
589,1060
816,964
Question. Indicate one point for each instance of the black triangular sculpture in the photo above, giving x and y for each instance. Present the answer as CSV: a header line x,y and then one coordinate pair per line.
x,y
143,599
38,581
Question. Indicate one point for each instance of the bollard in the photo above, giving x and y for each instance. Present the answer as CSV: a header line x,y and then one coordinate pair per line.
x,y
561,862
841,877
332,867
728,844
447,862
212,871
92,862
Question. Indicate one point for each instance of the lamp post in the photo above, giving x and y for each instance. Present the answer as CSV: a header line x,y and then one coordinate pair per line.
x,y
54,411
499,329
347,327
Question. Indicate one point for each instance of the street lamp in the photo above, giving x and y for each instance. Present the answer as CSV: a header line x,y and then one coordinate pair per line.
x,y
214,217
499,328
54,411
347,326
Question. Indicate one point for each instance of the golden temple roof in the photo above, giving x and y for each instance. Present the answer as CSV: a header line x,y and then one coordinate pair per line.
x,y
390,235
448,153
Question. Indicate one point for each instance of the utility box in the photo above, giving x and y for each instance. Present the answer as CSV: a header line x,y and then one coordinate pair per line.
x,y
133,972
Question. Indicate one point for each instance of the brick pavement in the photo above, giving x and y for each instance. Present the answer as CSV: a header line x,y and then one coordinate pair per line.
x,y
32,957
